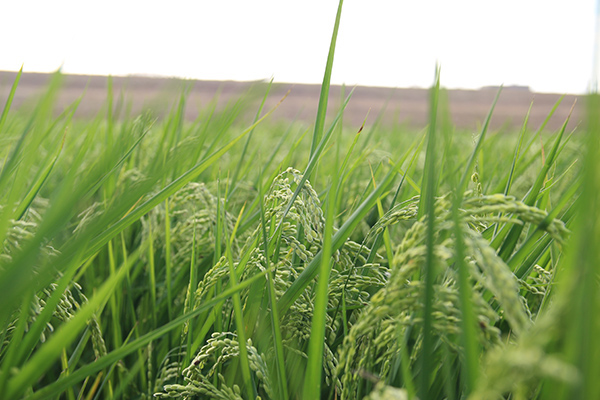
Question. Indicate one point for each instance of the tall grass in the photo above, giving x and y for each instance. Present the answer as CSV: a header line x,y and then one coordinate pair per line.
x,y
147,257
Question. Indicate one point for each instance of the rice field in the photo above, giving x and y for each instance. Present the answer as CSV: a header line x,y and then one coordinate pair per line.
x,y
234,257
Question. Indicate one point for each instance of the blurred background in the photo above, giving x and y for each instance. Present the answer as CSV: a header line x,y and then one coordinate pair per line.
x,y
529,46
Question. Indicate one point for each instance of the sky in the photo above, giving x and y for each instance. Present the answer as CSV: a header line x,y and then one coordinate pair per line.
x,y
545,44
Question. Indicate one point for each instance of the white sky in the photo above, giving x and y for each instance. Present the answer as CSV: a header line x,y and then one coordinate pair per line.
x,y
545,44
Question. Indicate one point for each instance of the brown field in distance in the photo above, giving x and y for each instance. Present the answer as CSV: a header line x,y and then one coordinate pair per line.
x,y
468,108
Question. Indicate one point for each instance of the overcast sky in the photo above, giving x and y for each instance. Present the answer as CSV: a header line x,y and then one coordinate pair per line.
x,y
545,44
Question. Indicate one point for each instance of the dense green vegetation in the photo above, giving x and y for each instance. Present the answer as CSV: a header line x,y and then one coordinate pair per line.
x,y
233,257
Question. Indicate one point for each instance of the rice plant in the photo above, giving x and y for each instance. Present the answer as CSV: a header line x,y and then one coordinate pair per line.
x,y
149,257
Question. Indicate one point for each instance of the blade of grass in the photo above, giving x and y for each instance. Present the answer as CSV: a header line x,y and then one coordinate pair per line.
x,y
144,130
426,208
385,235
311,165
469,339
14,346
239,316
152,273
114,302
168,261
10,98
502,184
275,327
37,185
515,232
191,296
251,218
107,379
314,368
517,151
217,313
324,96
516,155
238,166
